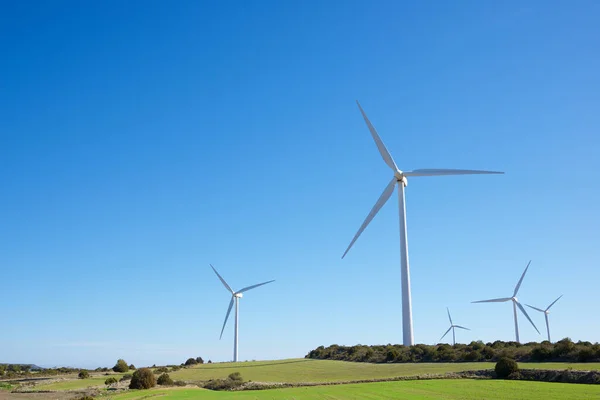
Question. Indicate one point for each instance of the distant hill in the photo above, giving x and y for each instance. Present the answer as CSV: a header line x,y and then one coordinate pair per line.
x,y
32,367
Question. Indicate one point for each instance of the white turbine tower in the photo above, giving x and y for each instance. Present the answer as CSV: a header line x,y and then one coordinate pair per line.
x,y
452,326
235,296
546,312
515,302
400,178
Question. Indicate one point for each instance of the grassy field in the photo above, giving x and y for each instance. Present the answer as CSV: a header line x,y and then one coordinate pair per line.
x,y
307,370
423,390
76,383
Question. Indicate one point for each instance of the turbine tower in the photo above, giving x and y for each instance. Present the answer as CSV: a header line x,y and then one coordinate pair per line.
x,y
546,312
452,326
235,296
400,179
515,302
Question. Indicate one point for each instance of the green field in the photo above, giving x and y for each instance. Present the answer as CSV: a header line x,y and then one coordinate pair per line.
x,y
463,389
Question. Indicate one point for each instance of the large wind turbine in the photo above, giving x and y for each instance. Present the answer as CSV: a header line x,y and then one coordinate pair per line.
x,y
515,302
235,296
546,312
452,326
400,178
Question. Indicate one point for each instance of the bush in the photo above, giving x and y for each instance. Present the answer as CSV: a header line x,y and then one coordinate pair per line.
x,y
110,381
121,366
179,383
142,378
132,367
235,376
209,362
126,377
84,375
233,380
505,367
86,397
191,361
161,370
165,380
199,360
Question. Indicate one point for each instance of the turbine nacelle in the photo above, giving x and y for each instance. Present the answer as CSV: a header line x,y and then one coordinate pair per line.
x,y
238,295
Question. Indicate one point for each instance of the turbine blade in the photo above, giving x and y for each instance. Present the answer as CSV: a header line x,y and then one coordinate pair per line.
x,y
535,308
554,302
226,316
442,172
385,154
387,192
253,286
525,313
449,317
493,300
222,280
446,333
461,327
521,280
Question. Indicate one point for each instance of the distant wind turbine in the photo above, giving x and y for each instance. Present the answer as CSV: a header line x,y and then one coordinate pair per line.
x,y
515,302
235,296
400,179
546,312
452,326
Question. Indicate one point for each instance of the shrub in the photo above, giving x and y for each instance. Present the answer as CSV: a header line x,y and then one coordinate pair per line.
x,y
84,375
121,366
161,370
142,378
209,362
126,377
505,367
179,383
110,381
175,368
165,380
86,397
235,376
199,360
191,361
132,367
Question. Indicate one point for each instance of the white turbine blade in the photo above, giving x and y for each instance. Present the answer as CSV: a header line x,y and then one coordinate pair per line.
x,y
521,280
254,286
535,308
387,192
385,154
442,172
493,300
554,302
525,313
446,333
221,278
461,327
449,317
226,316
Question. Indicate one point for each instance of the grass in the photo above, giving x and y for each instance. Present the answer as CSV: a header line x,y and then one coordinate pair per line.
x,y
76,383
463,389
5,386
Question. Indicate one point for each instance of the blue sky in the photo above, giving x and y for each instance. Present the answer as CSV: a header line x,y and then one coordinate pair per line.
x,y
141,141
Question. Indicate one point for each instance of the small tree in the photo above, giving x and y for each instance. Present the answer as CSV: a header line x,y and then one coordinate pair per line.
x,y
191,361
235,376
110,381
505,367
132,367
165,380
121,366
209,362
84,375
142,378
199,360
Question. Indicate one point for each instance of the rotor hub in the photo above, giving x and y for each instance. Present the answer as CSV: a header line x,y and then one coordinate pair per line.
x,y
238,295
401,178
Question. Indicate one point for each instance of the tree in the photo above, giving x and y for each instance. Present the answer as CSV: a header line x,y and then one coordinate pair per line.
x,y
132,367
165,380
142,378
84,375
505,367
199,360
110,381
121,366
191,361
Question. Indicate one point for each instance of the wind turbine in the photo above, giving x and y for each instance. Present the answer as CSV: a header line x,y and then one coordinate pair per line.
x,y
452,326
515,302
546,312
400,178
235,296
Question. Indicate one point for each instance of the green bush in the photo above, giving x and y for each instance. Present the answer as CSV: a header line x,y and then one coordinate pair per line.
x,y
110,381
235,376
191,361
164,380
84,375
142,378
132,367
505,367
161,370
199,360
179,383
121,366
126,377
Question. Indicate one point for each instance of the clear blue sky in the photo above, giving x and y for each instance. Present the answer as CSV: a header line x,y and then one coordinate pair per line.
x,y
141,141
